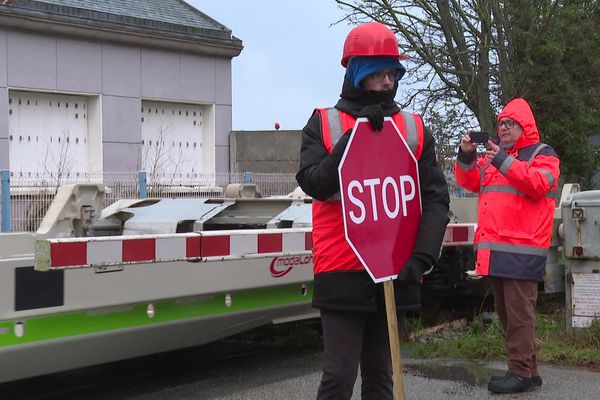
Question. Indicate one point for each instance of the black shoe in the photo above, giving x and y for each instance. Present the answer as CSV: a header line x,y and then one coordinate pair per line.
x,y
499,377
535,380
511,383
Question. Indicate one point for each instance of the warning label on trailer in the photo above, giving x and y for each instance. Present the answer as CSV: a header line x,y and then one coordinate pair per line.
x,y
586,294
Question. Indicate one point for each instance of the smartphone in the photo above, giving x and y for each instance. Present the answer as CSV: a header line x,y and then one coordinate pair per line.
x,y
479,137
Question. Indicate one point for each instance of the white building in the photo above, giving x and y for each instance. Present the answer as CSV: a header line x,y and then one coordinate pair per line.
x,y
114,85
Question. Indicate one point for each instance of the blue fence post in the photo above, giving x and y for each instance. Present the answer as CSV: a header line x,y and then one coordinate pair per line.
x,y
248,177
143,189
5,200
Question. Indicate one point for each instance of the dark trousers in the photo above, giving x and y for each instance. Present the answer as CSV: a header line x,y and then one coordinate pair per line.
x,y
515,301
350,339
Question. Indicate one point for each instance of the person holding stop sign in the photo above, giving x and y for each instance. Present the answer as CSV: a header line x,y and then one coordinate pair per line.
x,y
352,305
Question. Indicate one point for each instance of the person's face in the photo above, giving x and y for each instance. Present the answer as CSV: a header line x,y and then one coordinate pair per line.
x,y
381,80
508,132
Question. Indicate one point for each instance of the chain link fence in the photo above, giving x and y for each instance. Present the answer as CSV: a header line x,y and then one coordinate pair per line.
x,y
31,194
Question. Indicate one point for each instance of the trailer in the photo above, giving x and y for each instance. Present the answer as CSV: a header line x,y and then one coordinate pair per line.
x,y
143,276
135,293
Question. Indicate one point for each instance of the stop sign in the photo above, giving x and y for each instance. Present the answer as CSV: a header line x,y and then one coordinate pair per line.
x,y
381,199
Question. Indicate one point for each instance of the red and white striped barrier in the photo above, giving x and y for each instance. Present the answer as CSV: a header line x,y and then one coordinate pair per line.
x,y
197,246
459,234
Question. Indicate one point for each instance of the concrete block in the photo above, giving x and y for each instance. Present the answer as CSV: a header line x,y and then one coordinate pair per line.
x,y
266,151
269,166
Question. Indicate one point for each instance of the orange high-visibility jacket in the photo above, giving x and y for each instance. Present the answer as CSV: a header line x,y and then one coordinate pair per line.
x,y
516,201
331,252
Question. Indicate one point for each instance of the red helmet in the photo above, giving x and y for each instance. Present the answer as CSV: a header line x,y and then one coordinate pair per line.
x,y
371,39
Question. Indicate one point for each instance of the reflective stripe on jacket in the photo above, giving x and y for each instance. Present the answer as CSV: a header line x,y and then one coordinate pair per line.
x,y
516,201
330,250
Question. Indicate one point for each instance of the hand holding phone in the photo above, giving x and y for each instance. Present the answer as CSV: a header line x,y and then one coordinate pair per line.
x,y
479,137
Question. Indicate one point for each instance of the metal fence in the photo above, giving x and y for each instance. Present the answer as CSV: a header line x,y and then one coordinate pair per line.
x,y
26,196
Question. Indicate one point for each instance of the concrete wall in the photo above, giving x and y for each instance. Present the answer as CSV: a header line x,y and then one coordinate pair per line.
x,y
265,151
122,76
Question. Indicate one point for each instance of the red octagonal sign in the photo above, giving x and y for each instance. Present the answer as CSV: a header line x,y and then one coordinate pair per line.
x,y
381,199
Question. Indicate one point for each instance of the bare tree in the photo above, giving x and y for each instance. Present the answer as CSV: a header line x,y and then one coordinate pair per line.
x,y
58,165
462,49
160,159
156,154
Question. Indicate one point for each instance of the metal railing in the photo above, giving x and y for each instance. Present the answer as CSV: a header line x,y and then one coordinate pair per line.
x,y
26,196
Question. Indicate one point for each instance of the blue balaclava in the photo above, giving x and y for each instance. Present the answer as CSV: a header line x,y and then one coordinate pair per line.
x,y
361,67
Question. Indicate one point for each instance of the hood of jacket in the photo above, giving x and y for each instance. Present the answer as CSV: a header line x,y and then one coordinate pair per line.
x,y
519,110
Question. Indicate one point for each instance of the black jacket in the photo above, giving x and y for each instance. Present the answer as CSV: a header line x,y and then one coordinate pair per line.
x,y
318,177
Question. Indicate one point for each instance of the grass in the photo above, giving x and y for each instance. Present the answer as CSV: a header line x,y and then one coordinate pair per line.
x,y
483,340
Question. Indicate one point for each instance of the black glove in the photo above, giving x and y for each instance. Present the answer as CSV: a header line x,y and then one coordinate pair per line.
x,y
374,113
412,271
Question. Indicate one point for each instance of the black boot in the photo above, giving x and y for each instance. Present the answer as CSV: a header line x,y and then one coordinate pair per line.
x,y
511,383
499,377
535,380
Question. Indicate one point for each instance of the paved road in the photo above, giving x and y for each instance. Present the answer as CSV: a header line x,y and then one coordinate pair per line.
x,y
226,371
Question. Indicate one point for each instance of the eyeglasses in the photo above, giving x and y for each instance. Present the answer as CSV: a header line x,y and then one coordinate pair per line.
x,y
508,123
393,74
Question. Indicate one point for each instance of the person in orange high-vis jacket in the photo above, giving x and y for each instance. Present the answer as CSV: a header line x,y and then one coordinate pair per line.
x,y
351,304
516,180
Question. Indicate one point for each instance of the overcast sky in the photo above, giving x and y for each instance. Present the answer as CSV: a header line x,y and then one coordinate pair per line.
x,y
290,63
